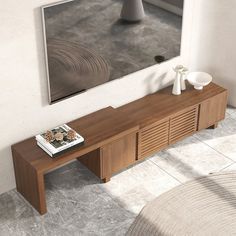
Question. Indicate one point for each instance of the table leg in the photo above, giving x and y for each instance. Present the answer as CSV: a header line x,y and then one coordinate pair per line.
x,y
29,183
214,126
106,179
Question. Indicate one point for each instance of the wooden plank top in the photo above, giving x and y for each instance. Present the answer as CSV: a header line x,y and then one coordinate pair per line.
x,y
163,103
97,129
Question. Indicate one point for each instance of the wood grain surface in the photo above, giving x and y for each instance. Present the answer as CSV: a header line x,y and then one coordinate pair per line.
x,y
117,138
151,108
98,129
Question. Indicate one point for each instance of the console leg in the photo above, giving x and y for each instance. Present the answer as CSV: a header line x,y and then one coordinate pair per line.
x,y
214,126
30,183
106,179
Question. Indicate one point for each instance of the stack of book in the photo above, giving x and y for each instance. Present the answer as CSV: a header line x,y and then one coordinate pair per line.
x,y
59,140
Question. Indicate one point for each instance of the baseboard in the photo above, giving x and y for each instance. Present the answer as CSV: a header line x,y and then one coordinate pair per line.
x,y
168,7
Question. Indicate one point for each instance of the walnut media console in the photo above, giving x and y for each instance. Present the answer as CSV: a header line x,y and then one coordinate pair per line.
x,y
117,138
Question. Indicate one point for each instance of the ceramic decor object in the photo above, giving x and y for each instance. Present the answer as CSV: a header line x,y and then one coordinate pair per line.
x,y
177,83
132,10
199,79
183,74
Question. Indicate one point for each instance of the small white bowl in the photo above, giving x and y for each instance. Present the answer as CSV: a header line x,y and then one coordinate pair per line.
x,y
199,79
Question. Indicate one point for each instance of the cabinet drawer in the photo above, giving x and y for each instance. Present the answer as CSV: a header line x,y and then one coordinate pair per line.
x,y
118,155
183,124
153,138
216,107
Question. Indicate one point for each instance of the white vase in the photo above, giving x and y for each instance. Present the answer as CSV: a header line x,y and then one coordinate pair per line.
x,y
132,10
177,83
183,73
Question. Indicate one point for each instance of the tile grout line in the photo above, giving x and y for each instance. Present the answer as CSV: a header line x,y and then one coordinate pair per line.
x,y
229,112
230,116
215,149
234,118
166,171
227,166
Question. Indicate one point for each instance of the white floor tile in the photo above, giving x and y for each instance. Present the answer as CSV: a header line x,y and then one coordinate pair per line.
x,y
190,158
149,182
145,173
222,139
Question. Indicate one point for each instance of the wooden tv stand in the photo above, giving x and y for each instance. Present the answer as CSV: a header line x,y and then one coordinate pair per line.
x,y
117,138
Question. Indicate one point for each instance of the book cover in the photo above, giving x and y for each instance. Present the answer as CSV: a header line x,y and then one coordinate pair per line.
x,y
53,155
56,145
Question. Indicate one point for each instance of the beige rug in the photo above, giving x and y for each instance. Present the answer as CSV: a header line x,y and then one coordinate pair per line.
x,y
204,206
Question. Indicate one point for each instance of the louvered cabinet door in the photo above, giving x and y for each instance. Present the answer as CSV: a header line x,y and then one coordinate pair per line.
x,y
153,138
183,124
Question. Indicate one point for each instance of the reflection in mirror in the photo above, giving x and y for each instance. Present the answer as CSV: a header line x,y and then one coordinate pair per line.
x,y
92,42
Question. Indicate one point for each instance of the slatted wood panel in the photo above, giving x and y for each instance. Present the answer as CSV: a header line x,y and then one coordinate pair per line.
x,y
183,124
153,138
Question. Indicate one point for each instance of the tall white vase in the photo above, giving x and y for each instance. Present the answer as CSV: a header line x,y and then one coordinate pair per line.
x,y
132,10
176,90
183,78
177,86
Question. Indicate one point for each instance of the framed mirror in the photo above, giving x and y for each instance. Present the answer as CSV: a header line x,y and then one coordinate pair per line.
x,y
88,43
